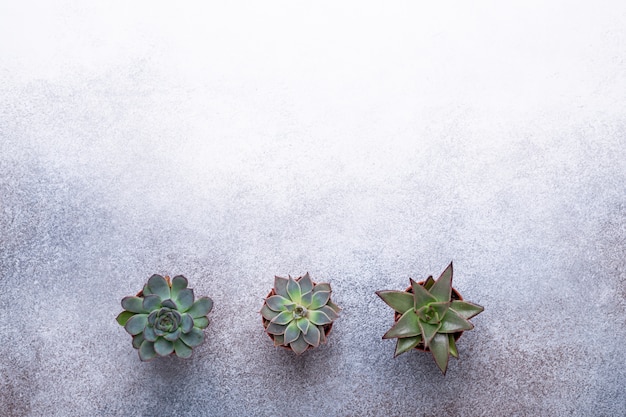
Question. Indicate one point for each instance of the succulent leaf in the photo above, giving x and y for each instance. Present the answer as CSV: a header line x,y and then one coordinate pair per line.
x,y
428,283
334,306
322,334
163,347
303,325
268,313
133,304
306,285
421,296
329,312
179,283
318,317
149,334
277,302
159,286
320,298
283,318
151,302
406,326
201,322
276,329
173,335
136,324
181,349
405,344
280,286
453,351
279,340
453,323
186,323
312,335
442,288
428,331
440,348
306,299
123,317
294,290
291,332
169,304
201,307
400,301
146,290
146,351
138,340
299,345
322,286
194,338
184,300
465,309
152,317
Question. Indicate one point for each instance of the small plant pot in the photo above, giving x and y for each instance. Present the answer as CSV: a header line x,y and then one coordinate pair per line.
x,y
455,295
432,312
164,318
327,327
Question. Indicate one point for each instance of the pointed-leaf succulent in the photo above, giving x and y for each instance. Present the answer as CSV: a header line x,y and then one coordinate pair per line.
x,y
430,315
164,319
298,313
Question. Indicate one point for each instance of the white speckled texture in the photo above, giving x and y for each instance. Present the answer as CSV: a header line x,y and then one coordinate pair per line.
x,y
363,142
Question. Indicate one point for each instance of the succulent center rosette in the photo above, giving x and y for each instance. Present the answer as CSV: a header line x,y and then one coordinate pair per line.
x,y
164,319
298,313
429,317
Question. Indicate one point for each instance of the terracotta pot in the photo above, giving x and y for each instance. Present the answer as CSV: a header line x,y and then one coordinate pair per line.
x,y
455,296
327,327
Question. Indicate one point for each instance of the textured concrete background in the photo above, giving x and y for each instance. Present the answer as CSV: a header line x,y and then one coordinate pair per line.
x,y
363,142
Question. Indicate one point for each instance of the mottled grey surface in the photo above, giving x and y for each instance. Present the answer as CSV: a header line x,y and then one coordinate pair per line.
x,y
364,143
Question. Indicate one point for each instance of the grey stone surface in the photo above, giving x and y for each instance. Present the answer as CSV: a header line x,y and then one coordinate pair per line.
x,y
364,143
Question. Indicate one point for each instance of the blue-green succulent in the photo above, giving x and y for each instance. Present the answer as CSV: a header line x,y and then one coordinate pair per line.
x,y
430,316
164,319
298,313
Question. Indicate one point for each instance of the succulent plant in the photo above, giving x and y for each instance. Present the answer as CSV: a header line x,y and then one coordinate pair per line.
x,y
298,313
164,319
431,316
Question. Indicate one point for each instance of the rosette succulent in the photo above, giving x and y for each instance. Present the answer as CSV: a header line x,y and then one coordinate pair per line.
x,y
431,317
298,313
164,319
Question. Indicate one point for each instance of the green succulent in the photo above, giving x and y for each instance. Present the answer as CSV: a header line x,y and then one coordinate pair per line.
x,y
430,317
298,313
164,319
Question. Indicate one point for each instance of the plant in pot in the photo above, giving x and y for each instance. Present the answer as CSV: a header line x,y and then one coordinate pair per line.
x,y
298,314
164,319
431,316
